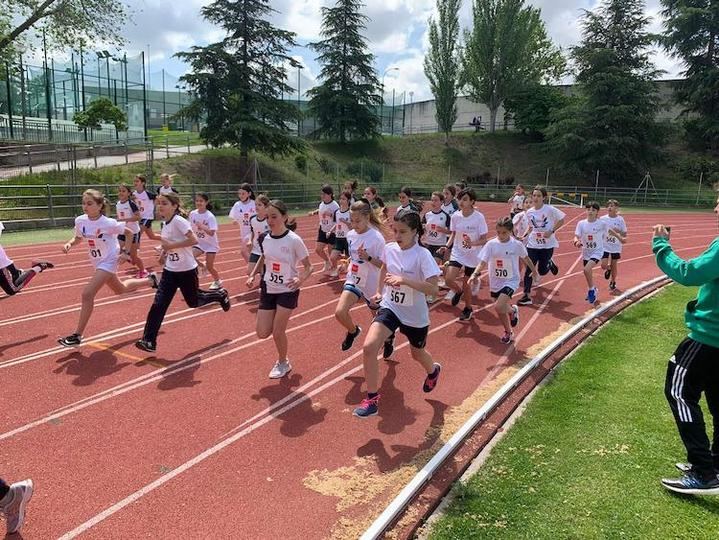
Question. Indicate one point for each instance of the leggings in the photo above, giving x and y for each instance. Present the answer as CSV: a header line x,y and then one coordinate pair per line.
x,y
13,280
541,259
4,488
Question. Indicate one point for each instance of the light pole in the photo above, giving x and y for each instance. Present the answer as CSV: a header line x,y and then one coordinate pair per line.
x,y
299,118
179,105
381,115
411,95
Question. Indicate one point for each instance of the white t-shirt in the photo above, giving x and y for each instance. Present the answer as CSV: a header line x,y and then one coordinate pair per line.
x,y
208,243
282,254
258,226
592,237
101,237
126,210
365,275
241,213
5,261
612,243
434,220
541,221
467,230
521,225
415,263
451,207
502,259
179,259
518,202
162,190
342,223
146,202
326,213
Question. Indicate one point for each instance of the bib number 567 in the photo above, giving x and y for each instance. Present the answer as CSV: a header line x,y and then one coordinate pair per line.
x,y
397,297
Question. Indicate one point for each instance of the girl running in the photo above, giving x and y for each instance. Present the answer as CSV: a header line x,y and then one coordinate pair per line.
x,y
340,230
544,220
468,233
104,251
166,184
179,272
516,201
613,244
282,250
241,213
13,280
450,204
325,238
406,202
366,250
521,222
145,200
502,255
378,206
351,186
589,235
436,225
128,212
408,275
258,226
204,225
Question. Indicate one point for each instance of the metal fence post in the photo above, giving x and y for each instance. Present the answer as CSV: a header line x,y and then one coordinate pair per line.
x,y
126,156
167,145
57,158
49,204
94,154
188,143
29,158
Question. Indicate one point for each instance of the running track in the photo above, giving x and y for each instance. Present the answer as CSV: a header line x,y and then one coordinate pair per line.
x,y
197,442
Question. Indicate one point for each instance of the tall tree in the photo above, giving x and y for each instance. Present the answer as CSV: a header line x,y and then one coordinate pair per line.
x,y
692,34
238,82
532,107
442,63
612,126
507,47
346,101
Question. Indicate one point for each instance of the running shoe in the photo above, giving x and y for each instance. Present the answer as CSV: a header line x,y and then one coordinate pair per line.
x,y
350,338
537,281
466,314
607,273
431,299
431,380
553,268
476,287
612,285
44,265
450,295
507,338
142,274
147,346
691,484
216,285
388,348
73,340
592,296
20,494
154,282
225,302
514,317
525,301
368,407
456,298
280,369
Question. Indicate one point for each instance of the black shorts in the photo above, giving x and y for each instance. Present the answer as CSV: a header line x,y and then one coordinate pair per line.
x,y
433,250
324,238
201,251
509,291
613,256
468,270
146,223
417,337
586,261
270,301
254,257
135,238
342,246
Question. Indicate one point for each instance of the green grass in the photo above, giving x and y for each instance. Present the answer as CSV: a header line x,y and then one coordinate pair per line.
x,y
585,459
173,137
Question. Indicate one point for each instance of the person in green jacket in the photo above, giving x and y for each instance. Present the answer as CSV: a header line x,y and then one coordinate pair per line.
x,y
694,367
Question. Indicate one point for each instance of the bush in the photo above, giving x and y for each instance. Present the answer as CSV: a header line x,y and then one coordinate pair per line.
x,y
365,169
301,163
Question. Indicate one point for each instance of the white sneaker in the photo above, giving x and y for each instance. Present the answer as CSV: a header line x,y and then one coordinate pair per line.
x,y
476,287
537,281
450,294
20,494
280,369
216,285
431,299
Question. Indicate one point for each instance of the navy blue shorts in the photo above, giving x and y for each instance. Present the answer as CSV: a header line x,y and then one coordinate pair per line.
x,y
342,246
509,291
146,223
417,337
254,257
135,237
613,256
324,238
269,301
433,250
586,261
468,270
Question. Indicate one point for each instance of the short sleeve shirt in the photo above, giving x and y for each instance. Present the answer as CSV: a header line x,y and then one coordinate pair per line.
x,y
208,243
101,237
282,254
179,259
502,259
541,221
467,231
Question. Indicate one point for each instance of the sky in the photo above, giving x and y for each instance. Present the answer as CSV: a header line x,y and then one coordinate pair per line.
x,y
396,33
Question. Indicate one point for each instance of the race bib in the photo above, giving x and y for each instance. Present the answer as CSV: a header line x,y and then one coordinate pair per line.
x,y
95,251
466,241
325,221
539,238
503,269
342,229
277,273
611,239
122,214
402,295
246,219
173,256
591,243
359,272
433,232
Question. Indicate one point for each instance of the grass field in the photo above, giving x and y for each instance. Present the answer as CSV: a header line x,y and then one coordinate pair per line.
x,y
585,459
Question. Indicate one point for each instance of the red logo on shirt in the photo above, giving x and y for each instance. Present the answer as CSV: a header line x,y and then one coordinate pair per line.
x,y
91,243
500,263
590,237
434,227
275,267
355,268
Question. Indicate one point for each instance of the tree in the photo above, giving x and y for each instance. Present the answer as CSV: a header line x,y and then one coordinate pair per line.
x,y
66,22
237,83
532,107
101,111
692,34
611,127
442,63
346,101
507,47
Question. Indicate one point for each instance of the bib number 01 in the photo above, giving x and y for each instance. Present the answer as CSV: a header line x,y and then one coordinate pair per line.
x,y
95,253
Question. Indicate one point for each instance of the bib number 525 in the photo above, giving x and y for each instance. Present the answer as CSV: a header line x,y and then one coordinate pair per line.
x,y
277,278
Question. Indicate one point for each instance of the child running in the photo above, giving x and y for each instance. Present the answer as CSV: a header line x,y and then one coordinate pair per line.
x,y
340,230
282,251
613,244
13,280
468,234
180,271
516,201
378,206
521,222
204,225
409,274
450,204
325,239
436,227
366,252
351,186
258,226
544,220
241,213
502,255
104,251
128,212
146,201
166,184
406,202
589,235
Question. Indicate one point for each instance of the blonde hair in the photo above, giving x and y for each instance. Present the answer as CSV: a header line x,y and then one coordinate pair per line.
x,y
365,208
99,199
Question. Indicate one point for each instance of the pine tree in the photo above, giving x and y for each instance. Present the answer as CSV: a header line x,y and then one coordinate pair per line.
x,y
238,82
345,103
441,64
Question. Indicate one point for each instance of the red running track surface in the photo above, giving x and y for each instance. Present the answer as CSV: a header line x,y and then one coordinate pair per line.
x,y
197,442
